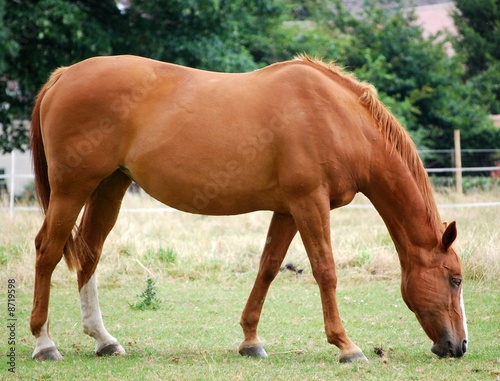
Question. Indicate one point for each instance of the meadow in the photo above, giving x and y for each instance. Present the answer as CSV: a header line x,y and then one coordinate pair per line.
x,y
204,268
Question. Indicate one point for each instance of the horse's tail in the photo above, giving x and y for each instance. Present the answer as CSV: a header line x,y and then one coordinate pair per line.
x,y
40,167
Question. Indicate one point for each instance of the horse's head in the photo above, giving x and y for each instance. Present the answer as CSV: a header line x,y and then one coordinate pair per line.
x,y
432,289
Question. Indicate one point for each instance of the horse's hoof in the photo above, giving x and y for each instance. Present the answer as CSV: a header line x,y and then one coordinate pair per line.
x,y
255,351
353,357
51,354
113,349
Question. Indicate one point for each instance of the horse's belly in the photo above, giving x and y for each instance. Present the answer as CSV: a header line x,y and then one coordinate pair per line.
x,y
213,197
206,186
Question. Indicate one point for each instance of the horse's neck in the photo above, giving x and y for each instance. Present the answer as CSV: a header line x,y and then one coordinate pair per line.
x,y
398,200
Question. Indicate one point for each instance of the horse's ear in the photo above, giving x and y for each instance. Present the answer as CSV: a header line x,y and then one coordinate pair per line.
x,y
449,235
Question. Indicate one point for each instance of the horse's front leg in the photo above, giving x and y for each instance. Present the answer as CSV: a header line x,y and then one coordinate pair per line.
x,y
281,232
312,217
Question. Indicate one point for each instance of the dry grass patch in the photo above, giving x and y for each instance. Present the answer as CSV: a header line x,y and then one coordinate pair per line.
x,y
227,246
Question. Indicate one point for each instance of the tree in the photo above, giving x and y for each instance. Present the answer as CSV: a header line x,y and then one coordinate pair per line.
x,y
43,35
478,26
424,82
9,133
414,76
205,34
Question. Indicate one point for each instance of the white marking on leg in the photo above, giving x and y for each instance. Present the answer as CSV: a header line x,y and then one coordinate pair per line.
x,y
464,318
43,341
92,318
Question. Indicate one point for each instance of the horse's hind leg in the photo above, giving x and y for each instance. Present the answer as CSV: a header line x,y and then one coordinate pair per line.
x,y
49,243
281,232
98,219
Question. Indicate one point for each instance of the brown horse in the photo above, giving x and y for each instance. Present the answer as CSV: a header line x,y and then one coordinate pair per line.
x,y
298,138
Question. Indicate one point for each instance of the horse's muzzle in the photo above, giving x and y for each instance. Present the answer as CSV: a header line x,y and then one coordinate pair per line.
x,y
448,348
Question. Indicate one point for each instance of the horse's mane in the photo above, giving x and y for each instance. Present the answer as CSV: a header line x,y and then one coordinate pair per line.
x,y
390,128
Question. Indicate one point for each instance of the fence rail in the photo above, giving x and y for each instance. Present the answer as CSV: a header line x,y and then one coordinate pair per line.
x,y
463,169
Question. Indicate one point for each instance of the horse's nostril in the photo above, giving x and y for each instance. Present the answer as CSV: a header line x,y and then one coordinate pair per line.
x,y
464,346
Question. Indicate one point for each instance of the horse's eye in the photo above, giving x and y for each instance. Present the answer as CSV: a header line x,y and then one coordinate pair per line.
x,y
456,281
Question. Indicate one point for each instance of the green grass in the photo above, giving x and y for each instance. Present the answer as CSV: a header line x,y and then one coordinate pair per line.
x,y
164,255
194,336
204,269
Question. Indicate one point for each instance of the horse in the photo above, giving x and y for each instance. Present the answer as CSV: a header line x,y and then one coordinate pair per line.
x,y
298,138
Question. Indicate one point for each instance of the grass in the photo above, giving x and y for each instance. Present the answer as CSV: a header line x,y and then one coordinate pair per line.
x,y
204,269
195,334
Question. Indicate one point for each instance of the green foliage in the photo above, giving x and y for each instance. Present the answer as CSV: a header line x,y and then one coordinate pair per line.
x,y
415,77
43,35
206,34
478,25
474,184
470,184
148,299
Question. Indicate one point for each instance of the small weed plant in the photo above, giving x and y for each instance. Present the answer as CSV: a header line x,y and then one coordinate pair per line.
x,y
148,299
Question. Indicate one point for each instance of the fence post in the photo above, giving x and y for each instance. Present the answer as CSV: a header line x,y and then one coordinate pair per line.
x,y
458,161
12,182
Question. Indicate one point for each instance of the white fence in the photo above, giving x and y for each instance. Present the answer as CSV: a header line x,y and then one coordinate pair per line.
x,y
18,173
